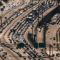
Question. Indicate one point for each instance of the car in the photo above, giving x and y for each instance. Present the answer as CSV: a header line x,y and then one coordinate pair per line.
x,y
24,10
50,22
53,38
12,18
40,27
4,57
56,49
47,24
38,58
21,13
5,53
2,43
24,58
24,52
39,30
0,31
43,25
48,31
50,38
43,54
1,49
53,43
58,54
41,50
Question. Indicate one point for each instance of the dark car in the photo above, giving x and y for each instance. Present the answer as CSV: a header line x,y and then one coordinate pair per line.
x,y
58,54
53,38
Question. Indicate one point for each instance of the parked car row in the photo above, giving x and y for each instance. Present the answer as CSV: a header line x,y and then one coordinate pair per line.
x,y
5,53
11,18
21,28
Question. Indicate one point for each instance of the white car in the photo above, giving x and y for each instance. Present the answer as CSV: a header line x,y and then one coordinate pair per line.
x,y
10,59
21,12
56,49
1,49
39,29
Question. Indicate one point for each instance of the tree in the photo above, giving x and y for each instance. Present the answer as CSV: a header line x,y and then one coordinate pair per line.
x,y
58,1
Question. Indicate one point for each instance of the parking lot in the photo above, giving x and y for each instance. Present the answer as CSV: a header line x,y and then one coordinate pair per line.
x,y
15,29
50,34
